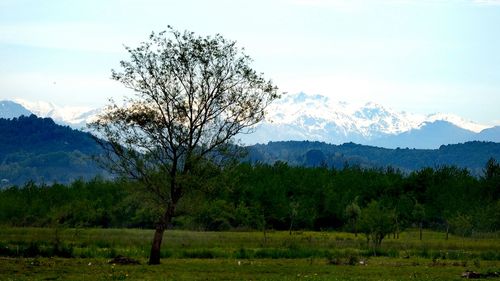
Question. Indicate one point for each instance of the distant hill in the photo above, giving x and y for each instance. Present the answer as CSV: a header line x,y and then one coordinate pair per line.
x,y
431,134
9,109
470,155
33,148
38,149
490,134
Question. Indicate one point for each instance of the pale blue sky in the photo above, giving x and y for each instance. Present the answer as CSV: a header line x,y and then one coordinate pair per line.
x,y
422,56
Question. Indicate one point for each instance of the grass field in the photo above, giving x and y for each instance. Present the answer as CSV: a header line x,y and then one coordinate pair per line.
x,y
83,254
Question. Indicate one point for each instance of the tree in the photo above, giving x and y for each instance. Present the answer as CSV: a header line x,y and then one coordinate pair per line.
x,y
193,95
462,225
419,215
376,222
352,213
293,212
492,179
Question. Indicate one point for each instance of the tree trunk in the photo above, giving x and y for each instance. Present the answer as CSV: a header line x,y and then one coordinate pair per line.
x,y
265,236
175,196
397,230
154,255
420,230
447,230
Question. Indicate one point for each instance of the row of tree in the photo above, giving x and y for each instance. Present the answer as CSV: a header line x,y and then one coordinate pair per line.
x,y
260,197
376,202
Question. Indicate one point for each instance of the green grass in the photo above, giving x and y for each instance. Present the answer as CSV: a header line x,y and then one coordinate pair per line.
x,y
31,254
230,269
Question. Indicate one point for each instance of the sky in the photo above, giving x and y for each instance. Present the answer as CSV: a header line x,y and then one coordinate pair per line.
x,y
420,56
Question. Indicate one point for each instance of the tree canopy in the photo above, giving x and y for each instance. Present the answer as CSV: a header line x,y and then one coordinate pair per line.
x,y
193,95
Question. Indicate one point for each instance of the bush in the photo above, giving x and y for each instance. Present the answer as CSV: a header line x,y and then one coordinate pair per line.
x,y
243,253
37,249
203,254
345,258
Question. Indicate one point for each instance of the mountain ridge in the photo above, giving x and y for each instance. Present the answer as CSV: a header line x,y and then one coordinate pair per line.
x,y
301,117
38,149
470,155
10,109
74,116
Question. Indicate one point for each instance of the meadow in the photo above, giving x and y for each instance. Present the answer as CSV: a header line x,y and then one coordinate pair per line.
x,y
84,254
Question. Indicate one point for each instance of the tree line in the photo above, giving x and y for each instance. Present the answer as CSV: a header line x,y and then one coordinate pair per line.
x,y
281,197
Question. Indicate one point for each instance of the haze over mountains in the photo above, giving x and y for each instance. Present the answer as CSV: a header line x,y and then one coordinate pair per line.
x,y
302,117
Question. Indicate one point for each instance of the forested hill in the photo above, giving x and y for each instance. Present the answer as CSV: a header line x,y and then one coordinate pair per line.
x,y
41,135
37,149
470,155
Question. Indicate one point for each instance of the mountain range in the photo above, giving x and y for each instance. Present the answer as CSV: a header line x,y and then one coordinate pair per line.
x,y
303,117
10,109
74,116
38,149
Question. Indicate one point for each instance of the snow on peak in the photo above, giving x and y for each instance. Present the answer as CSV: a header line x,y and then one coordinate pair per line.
x,y
298,117
76,116
457,121
319,117
367,120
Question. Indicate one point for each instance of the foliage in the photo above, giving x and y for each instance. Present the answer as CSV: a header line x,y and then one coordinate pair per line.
x,y
193,96
462,225
376,222
352,214
39,150
97,203
268,196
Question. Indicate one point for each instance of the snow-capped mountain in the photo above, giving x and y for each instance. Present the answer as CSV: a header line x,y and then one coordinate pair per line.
x,y
10,109
457,121
319,118
316,117
307,117
74,116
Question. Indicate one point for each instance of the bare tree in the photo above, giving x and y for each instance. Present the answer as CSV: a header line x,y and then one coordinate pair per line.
x,y
193,96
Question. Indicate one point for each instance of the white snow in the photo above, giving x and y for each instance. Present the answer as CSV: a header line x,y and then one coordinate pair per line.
x,y
314,117
71,115
313,113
